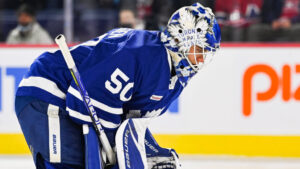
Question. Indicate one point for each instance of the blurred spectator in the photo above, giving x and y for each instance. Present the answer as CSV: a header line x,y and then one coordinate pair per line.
x,y
161,11
94,17
271,27
132,13
127,19
127,14
28,30
152,14
280,22
235,16
290,19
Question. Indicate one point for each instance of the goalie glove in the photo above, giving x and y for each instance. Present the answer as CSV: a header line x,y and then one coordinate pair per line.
x,y
158,157
164,162
137,148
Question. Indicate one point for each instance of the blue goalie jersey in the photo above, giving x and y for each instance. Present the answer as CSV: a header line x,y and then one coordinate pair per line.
x,y
126,72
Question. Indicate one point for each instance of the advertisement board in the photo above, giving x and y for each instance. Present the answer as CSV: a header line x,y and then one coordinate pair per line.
x,y
244,90
243,103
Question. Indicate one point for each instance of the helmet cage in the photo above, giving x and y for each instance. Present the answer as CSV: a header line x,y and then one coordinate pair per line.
x,y
207,53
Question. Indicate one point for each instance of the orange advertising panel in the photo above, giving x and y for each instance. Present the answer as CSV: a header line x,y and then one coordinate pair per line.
x,y
279,82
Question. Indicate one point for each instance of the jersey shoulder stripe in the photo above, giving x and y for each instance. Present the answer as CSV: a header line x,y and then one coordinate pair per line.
x,y
49,75
43,83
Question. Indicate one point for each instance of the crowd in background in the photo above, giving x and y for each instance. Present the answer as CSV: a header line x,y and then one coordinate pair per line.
x,y
38,21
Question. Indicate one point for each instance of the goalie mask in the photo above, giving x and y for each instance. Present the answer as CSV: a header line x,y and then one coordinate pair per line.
x,y
192,37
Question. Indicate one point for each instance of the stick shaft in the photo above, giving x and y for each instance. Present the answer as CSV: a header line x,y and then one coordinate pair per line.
x,y
61,42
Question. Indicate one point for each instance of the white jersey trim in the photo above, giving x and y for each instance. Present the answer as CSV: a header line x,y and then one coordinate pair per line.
x,y
102,106
87,118
169,59
43,83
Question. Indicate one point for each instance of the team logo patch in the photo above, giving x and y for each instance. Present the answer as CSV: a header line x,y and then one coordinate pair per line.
x,y
156,97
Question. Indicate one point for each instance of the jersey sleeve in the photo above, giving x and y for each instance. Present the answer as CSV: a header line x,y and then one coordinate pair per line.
x,y
49,78
108,75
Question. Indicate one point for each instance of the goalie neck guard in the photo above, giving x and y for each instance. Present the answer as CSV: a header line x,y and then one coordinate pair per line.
x,y
188,27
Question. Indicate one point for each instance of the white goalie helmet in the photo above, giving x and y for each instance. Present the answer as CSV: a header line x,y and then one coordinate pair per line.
x,y
192,38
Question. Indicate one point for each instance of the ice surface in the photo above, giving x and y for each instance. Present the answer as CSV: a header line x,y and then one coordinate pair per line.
x,y
188,162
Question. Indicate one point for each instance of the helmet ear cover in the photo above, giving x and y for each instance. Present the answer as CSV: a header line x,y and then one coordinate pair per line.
x,y
191,26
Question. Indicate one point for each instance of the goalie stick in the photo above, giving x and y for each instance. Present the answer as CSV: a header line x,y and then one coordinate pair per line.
x,y
61,42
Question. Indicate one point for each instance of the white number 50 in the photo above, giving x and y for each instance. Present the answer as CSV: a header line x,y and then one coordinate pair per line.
x,y
118,85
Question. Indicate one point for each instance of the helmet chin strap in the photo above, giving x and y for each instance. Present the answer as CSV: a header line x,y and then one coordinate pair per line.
x,y
175,57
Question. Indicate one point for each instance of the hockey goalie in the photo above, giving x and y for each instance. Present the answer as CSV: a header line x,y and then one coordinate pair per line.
x,y
131,76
